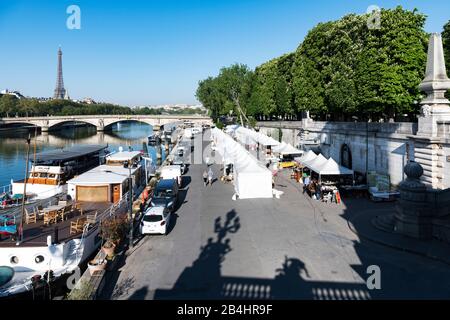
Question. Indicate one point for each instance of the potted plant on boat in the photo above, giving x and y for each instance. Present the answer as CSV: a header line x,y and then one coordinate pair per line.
x,y
96,265
112,231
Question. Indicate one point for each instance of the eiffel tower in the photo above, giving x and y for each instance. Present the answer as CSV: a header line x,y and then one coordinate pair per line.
x,y
60,92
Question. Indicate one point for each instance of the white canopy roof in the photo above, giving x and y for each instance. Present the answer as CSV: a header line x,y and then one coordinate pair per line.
x,y
286,148
103,175
310,155
248,136
315,163
123,156
252,180
322,165
332,168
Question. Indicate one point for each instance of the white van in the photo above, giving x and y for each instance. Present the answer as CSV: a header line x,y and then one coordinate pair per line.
x,y
188,133
172,172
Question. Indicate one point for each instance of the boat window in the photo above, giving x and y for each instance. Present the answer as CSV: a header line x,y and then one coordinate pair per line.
x,y
14,260
153,218
44,175
39,259
52,175
35,175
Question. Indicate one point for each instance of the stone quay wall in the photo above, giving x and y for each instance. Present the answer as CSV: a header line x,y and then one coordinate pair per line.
x,y
389,145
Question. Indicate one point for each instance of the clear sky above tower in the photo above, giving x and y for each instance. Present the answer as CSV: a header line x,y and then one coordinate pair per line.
x,y
154,52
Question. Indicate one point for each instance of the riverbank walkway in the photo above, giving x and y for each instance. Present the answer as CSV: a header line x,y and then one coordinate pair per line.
x,y
290,248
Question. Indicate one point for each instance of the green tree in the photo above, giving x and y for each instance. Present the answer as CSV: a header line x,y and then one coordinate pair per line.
x,y
209,94
446,43
235,83
8,105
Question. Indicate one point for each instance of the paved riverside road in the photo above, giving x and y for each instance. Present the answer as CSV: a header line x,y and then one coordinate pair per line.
x,y
291,247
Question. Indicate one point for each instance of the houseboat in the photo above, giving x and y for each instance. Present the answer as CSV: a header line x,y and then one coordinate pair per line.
x,y
154,139
60,235
109,183
50,170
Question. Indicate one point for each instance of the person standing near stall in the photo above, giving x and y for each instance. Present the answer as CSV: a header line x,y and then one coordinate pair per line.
x,y
306,181
210,176
205,178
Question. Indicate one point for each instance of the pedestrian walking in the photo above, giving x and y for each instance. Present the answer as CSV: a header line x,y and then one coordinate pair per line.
x,y
205,178
210,176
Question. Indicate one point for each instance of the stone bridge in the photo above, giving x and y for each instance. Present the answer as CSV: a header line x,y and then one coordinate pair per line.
x,y
102,122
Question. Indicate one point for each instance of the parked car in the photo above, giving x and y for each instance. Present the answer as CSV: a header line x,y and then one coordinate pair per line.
x,y
155,220
165,194
172,172
179,162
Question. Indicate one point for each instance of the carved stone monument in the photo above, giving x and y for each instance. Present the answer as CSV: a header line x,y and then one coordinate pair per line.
x,y
435,116
435,85
413,216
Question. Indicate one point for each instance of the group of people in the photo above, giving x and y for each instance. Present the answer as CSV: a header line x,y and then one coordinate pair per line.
x,y
311,187
208,177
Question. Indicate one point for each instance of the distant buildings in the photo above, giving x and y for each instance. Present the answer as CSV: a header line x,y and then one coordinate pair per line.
x,y
177,107
16,94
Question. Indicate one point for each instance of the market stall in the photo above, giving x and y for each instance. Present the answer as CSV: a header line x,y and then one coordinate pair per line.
x,y
308,156
251,179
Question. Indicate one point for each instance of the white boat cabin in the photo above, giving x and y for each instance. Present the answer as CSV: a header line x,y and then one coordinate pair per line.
x,y
109,182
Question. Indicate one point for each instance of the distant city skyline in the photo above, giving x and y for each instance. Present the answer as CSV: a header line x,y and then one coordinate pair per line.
x,y
155,52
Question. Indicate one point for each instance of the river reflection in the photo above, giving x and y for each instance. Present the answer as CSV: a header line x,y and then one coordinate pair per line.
x,y
13,144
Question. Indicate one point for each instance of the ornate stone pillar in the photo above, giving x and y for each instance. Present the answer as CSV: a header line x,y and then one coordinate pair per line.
x,y
413,215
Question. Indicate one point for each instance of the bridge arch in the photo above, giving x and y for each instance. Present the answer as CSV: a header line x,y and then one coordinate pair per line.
x,y
54,124
108,124
18,122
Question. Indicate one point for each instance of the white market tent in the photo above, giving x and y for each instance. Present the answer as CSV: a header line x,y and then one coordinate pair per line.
x,y
251,179
248,136
315,163
310,155
286,148
332,168
322,165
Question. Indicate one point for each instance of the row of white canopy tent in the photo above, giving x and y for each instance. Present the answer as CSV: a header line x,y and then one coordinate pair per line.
x,y
251,179
322,165
248,136
285,149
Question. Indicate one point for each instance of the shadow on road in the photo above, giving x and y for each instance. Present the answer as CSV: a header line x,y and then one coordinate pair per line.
x,y
203,280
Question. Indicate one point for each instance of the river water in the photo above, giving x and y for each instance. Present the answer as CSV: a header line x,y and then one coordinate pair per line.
x,y
13,144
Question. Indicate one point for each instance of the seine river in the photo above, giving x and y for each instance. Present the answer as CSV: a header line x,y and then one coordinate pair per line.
x,y
13,144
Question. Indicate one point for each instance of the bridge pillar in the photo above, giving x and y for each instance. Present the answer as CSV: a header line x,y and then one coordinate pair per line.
x,y
100,126
44,128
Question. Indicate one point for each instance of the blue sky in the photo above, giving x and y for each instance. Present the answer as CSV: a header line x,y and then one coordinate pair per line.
x,y
155,51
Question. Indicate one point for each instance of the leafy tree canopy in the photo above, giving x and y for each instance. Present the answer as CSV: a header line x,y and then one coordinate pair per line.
x,y
342,68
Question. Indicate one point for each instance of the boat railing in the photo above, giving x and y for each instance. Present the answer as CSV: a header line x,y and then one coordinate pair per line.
x,y
80,245
6,189
112,210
